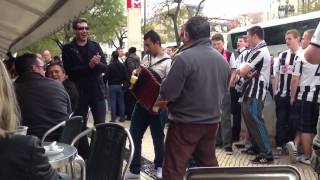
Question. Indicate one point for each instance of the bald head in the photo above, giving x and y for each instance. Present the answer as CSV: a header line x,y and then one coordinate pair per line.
x,y
47,56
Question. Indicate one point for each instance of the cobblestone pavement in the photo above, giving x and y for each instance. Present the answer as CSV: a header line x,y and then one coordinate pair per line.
x,y
236,159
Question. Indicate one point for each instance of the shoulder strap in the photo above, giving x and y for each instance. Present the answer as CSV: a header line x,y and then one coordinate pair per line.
x,y
158,62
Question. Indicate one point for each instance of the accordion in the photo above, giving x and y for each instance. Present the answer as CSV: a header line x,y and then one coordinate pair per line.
x,y
146,89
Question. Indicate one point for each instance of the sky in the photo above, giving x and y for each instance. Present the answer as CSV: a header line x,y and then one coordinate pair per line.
x,y
224,8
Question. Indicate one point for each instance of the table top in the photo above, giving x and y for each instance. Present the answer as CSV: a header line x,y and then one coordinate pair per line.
x,y
68,154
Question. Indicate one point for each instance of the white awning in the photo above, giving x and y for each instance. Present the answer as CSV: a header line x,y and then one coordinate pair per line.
x,y
23,22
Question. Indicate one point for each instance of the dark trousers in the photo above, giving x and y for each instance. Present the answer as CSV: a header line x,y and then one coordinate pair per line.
x,y
285,130
140,121
236,113
184,141
98,110
130,102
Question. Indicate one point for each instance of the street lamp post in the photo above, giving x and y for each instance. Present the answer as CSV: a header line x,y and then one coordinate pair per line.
x,y
285,10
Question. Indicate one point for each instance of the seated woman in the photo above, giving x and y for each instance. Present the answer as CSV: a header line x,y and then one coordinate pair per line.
x,y
21,157
56,71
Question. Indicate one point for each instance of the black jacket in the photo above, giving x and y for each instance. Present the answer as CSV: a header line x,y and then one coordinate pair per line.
x,y
22,158
43,103
116,74
88,81
73,93
132,62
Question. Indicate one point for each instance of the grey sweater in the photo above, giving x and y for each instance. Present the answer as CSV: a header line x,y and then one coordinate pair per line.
x,y
196,84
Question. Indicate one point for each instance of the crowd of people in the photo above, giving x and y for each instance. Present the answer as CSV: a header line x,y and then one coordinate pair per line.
x,y
205,92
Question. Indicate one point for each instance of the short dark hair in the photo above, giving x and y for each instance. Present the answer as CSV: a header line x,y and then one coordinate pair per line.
x,y
256,30
25,62
78,20
56,64
217,37
132,50
310,33
244,37
198,27
153,36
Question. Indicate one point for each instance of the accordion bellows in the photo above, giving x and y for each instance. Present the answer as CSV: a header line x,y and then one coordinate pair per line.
x,y
146,89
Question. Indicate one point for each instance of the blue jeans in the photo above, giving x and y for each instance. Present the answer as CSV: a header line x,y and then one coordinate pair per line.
x,y
252,113
140,121
116,97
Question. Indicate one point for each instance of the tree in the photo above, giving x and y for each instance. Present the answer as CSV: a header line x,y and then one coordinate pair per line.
x,y
173,10
105,19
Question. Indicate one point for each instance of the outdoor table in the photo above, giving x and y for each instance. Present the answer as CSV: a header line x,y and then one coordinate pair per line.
x,y
63,158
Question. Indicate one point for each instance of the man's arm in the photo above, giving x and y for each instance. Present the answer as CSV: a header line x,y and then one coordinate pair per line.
x,y
173,84
276,83
73,69
295,80
102,66
294,86
246,68
276,70
312,53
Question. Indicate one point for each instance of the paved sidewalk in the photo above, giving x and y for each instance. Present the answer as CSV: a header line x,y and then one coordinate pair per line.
x,y
234,160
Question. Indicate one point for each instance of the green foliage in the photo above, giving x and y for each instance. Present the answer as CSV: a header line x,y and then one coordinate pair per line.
x,y
306,8
105,20
163,24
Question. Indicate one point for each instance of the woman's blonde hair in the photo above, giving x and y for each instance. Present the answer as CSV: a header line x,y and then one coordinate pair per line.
x,y
9,110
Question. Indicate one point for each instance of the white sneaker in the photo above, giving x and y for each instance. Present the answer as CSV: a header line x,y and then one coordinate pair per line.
x,y
130,175
303,160
159,173
292,150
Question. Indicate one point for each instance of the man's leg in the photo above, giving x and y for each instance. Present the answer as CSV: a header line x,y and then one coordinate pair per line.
x,y
258,130
225,124
181,141
82,110
236,113
113,99
98,110
138,126
204,153
120,99
156,128
282,123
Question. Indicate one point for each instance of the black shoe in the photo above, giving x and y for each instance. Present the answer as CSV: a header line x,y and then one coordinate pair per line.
x,y
240,146
250,151
228,150
262,160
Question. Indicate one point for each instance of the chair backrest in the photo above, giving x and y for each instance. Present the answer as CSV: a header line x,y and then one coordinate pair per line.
x,y
106,155
71,129
244,173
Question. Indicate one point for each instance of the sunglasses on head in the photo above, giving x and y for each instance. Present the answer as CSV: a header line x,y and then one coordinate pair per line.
x,y
82,28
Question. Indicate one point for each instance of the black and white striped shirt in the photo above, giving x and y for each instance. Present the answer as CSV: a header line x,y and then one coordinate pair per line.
x,y
240,60
309,84
259,60
284,69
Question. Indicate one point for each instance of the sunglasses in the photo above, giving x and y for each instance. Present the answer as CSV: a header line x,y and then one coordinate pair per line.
x,y
82,28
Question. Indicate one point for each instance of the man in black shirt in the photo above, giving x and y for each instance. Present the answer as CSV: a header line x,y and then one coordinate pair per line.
x,y
84,63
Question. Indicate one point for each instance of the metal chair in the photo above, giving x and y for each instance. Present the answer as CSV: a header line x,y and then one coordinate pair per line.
x,y
72,127
107,148
243,173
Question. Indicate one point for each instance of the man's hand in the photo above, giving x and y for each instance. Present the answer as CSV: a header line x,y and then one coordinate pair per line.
x,y
292,100
94,60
